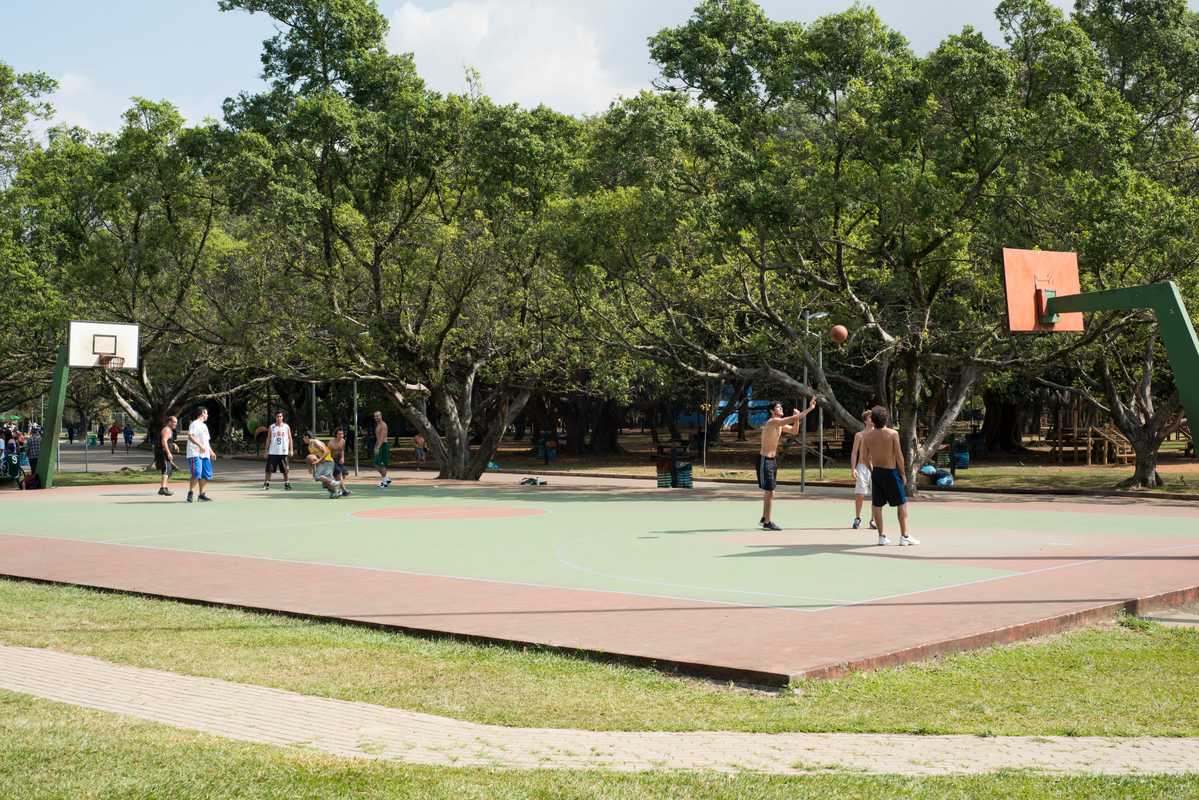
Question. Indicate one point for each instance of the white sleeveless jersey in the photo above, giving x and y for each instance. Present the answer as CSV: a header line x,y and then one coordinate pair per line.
x,y
280,440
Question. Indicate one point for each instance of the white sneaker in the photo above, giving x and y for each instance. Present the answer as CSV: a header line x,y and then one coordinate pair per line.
x,y
882,540
908,541
386,482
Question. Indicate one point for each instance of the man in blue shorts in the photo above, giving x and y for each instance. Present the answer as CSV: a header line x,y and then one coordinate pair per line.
x,y
199,455
881,450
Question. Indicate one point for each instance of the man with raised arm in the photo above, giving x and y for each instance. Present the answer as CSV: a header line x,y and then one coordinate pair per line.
x,y
880,449
772,431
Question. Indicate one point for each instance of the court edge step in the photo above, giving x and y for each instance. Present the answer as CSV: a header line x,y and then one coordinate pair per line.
x,y
743,676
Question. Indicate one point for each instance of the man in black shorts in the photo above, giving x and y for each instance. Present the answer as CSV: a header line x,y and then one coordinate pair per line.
x,y
278,451
163,460
881,450
337,446
772,431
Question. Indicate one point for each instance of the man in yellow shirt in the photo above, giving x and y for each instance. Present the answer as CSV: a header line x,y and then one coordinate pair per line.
x,y
320,462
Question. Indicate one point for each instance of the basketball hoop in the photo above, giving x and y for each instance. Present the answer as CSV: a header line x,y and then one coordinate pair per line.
x,y
111,362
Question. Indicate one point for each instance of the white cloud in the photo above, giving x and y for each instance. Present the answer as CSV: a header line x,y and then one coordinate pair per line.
x,y
79,101
527,51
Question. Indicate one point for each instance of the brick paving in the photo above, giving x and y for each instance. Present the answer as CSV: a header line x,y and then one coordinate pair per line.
x,y
348,729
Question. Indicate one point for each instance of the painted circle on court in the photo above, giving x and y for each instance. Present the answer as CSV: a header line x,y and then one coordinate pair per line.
x,y
444,512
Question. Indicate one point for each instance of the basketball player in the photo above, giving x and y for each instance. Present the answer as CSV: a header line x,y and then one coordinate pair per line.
x,y
337,446
880,449
774,429
861,473
320,462
164,462
200,455
278,451
382,450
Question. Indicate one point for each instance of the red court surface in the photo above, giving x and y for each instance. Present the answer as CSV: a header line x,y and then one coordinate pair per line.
x,y
989,571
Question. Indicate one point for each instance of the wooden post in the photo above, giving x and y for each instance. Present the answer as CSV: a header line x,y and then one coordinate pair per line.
x,y
1090,444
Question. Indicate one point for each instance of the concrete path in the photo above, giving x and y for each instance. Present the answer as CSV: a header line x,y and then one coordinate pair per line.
x,y
272,716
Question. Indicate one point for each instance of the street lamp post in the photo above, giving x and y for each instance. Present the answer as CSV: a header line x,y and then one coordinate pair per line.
x,y
808,316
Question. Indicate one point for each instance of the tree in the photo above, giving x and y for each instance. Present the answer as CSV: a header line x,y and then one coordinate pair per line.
x,y
426,274
843,173
30,304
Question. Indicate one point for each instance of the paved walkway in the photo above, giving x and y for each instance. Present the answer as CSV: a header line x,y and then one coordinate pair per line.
x,y
272,716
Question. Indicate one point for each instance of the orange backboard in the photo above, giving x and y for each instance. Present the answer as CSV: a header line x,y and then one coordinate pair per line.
x,y
1027,271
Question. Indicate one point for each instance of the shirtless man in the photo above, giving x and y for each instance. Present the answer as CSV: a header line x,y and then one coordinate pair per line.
x,y
880,449
382,450
163,459
774,429
861,472
337,446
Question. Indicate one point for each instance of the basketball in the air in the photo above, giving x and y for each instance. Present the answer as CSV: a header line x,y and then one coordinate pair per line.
x,y
838,333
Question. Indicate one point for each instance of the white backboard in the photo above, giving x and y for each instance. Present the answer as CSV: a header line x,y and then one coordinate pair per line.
x,y
89,343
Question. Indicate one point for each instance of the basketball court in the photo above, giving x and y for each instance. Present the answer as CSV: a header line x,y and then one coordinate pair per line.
x,y
682,580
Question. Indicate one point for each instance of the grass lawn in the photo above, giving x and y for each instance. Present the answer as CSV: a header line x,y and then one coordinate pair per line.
x,y
119,477
49,750
1121,681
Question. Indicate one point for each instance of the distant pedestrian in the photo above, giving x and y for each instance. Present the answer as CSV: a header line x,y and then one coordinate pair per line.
x,y
418,442
128,433
113,433
33,449
71,434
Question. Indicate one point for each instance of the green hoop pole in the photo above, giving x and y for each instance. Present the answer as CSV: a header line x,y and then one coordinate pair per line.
x,y
1178,334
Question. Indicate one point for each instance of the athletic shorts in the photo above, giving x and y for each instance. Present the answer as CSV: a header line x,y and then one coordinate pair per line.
x,y
861,477
324,469
383,455
339,470
887,488
767,473
201,468
161,463
276,463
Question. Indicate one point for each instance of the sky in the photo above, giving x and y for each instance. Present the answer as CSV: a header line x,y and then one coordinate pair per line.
x,y
573,55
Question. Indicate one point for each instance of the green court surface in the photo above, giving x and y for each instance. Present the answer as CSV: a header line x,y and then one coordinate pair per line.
x,y
701,546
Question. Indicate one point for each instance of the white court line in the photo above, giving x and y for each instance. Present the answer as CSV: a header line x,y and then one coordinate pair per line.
x,y
409,572
1005,577
567,563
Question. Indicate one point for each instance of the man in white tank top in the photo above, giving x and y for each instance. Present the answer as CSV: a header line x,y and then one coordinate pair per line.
x,y
278,451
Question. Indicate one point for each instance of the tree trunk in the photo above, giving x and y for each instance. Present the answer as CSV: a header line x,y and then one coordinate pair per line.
x,y
1003,422
452,450
605,435
1145,475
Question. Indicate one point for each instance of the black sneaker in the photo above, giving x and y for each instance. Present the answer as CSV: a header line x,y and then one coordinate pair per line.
x,y
165,492
857,523
345,492
771,526
266,487
205,498
189,497
287,486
